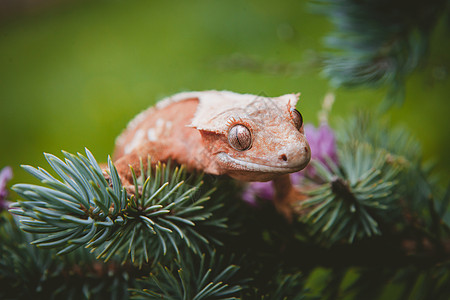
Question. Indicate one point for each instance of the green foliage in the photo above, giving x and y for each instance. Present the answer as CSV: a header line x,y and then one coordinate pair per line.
x,y
193,278
86,210
27,272
378,183
354,197
378,42
418,187
362,189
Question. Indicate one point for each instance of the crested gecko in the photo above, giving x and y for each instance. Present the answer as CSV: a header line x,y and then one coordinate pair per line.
x,y
248,137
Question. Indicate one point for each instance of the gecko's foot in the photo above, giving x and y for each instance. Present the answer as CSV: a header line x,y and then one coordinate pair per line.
x,y
106,175
123,169
131,189
127,184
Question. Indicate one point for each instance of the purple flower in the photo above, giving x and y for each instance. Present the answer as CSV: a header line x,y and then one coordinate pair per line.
x,y
322,142
5,175
255,190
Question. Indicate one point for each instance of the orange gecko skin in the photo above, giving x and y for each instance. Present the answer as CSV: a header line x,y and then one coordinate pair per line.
x,y
173,140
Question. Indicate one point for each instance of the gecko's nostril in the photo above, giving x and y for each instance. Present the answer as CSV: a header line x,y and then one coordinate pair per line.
x,y
283,157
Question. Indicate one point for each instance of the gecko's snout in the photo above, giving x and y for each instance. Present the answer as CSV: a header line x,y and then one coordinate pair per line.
x,y
284,157
294,157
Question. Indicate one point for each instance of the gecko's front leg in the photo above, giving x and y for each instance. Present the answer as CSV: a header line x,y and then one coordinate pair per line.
x,y
124,165
286,195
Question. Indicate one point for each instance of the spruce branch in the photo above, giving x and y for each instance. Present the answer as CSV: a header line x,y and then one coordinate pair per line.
x,y
377,42
362,190
355,195
192,277
83,209
27,272
423,201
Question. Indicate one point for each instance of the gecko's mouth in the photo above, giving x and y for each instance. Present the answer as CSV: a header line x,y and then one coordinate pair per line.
x,y
243,165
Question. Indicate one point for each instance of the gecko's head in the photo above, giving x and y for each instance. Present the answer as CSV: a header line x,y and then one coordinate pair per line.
x,y
254,138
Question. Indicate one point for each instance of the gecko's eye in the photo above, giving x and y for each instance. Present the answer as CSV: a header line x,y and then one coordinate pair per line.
x,y
297,118
240,137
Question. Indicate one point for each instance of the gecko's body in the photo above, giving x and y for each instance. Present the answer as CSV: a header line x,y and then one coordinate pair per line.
x,y
247,137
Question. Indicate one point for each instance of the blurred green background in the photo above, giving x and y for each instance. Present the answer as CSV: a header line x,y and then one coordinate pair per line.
x,y
72,75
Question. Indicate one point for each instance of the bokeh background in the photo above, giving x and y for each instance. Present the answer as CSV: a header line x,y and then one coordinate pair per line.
x,y
73,73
